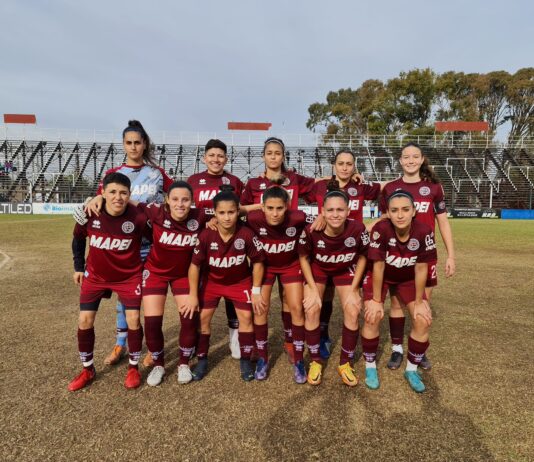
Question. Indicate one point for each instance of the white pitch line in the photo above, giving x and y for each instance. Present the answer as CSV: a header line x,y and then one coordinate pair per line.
x,y
6,259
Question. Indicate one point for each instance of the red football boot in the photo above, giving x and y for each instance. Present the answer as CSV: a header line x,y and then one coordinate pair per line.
x,y
133,378
82,380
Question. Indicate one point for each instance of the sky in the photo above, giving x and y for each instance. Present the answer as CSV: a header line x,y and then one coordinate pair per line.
x,y
194,66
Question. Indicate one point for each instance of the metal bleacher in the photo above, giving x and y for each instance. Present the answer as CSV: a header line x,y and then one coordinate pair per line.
x,y
68,168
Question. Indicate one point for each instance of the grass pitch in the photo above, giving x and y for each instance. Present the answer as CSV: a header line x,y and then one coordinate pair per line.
x,y
478,405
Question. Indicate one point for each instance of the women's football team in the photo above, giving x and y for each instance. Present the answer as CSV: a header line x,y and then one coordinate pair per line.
x,y
213,237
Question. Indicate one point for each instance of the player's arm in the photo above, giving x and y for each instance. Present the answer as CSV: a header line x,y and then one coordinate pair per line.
x,y
258,304
446,234
190,306
78,254
249,208
421,307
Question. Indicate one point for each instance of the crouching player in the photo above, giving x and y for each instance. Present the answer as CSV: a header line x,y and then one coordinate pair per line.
x,y
222,255
400,251
175,226
338,254
279,229
113,264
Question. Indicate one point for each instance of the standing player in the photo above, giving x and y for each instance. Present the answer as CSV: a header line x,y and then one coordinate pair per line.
x,y
113,264
223,257
337,253
205,186
344,170
149,182
401,250
175,226
421,182
279,229
296,186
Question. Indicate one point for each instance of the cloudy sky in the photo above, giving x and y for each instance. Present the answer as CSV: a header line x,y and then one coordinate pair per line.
x,y
194,66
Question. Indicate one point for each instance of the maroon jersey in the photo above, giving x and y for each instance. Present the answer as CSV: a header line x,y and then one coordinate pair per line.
x,y
401,257
173,241
296,185
226,262
205,186
114,244
428,197
357,193
333,255
279,242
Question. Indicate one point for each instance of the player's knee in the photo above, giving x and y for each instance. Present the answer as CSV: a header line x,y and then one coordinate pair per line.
x,y
133,319
421,325
85,321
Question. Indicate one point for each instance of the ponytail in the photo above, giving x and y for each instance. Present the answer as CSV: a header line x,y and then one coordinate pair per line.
x,y
148,153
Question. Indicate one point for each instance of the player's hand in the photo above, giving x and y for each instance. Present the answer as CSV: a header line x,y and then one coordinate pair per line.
x,y
78,278
353,301
79,215
212,224
318,224
373,311
312,300
450,267
94,206
358,178
190,307
258,304
422,309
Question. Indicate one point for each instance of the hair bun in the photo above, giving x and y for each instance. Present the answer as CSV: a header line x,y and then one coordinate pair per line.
x,y
333,184
226,187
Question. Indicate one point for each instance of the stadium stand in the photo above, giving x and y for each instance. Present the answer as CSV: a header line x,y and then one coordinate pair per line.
x,y
474,173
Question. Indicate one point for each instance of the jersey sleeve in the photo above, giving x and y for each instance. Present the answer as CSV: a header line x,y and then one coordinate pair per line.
x,y
151,210
311,196
167,180
428,248
377,245
306,185
78,247
199,252
247,197
80,231
371,191
254,248
239,188
439,200
305,247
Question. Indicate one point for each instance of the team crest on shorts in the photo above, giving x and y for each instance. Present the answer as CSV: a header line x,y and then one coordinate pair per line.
x,y
192,225
291,231
225,180
376,235
128,227
413,245
146,273
424,190
352,191
239,244
350,242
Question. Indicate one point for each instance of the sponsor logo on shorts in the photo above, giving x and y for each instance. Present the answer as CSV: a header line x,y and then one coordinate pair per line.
x,y
239,244
225,180
146,273
128,227
413,245
192,225
166,224
352,191
291,231
424,190
350,242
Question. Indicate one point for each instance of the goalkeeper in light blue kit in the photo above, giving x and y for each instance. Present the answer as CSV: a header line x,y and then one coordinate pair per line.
x,y
149,182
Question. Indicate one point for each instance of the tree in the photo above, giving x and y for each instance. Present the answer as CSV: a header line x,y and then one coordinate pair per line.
x,y
520,103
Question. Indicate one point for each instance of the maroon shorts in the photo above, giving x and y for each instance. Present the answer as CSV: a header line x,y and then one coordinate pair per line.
x,y
288,275
128,291
154,284
211,293
432,278
405,291
341,278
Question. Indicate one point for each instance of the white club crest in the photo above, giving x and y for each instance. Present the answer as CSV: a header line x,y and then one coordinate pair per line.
x,y
192,225
413,245
424,190
352,191
239,244
225,180
127,227
291,231
350,242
